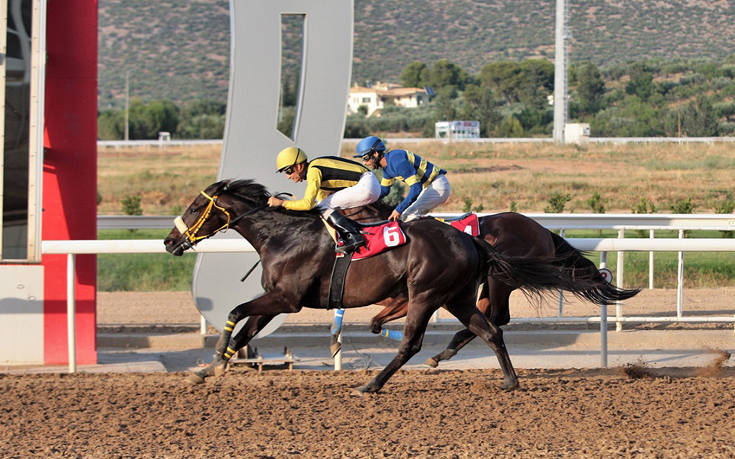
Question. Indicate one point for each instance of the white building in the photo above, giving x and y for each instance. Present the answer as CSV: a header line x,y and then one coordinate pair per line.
x,y
457,130
382,94
576,133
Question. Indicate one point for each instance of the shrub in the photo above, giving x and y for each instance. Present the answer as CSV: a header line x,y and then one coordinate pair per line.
x,y
557,201
596,203
644,206
131,205
682,206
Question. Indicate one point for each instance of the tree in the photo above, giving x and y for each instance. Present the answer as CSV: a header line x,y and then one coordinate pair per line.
x,y
641,82
698,119
511,127
444,74
203,126
161,115
479,104
590,89
536,81
503,77
443,102
536,120
413,75
202,107
110,125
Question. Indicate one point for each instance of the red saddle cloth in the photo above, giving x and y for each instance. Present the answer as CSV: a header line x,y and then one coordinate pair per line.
x,y
467,224
380,238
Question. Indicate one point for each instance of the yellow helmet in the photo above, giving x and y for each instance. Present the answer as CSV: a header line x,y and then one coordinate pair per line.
x,y
289,157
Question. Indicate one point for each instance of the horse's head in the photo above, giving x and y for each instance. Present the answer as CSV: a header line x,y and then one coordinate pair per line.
x,y
215,209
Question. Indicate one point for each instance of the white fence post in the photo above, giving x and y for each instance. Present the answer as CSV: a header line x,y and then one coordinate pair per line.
x,y
680,280
603,320
650,262
620,277
338,355
71,334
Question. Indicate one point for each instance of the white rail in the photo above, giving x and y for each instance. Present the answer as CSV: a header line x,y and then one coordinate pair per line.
x,y
551,221
75,247
617,140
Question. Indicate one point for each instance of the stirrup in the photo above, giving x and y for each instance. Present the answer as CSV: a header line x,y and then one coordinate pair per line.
x,y
347,247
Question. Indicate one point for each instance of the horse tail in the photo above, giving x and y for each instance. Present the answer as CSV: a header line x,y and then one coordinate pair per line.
x,y
537,275
580,268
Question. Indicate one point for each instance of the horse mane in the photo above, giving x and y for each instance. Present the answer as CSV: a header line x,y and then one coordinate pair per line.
x,y
256,195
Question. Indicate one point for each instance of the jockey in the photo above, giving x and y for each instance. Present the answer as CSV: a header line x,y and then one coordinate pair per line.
x,y
331,183
428,185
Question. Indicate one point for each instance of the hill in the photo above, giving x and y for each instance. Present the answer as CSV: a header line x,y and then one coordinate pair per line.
x,y
180,50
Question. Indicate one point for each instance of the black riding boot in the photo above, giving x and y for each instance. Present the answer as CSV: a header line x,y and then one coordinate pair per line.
x,y
348,230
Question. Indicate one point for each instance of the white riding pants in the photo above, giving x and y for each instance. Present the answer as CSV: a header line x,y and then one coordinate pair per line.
x,y
433,195
364,192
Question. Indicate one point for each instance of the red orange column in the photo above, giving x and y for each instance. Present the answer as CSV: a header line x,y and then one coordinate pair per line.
x,y
70,172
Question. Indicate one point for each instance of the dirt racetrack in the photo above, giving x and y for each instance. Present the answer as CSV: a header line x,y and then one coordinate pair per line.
x,y
590,413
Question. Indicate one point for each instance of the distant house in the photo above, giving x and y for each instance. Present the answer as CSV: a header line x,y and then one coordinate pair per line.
x,y
382,94
457,129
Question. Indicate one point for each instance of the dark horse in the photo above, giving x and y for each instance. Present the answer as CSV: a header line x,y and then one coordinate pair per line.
x,y
437,266
515,235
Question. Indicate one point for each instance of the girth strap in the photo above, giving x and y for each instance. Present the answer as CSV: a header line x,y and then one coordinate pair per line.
x,y
337,281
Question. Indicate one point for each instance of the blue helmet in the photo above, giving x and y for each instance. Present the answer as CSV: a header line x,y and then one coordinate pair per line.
x,y
369,144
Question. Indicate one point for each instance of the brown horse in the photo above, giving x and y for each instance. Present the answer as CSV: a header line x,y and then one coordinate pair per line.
x,y
437,266
513,235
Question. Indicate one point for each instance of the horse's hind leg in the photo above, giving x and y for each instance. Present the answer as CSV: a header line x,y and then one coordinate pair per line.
x,y
394,308
413,335
478,324
460,339
498,311
494,303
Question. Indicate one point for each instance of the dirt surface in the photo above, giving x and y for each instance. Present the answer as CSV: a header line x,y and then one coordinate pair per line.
x,y
418,414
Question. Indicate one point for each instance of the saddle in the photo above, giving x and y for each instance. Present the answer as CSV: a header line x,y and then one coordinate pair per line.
x,y
379,237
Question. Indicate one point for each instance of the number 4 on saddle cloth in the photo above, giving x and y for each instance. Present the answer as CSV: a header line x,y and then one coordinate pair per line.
x,y
467,223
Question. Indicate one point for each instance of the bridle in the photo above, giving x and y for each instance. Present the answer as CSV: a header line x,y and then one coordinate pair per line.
x,y
191,234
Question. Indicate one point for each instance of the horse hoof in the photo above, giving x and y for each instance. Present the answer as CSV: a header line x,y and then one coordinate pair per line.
x,y
219,370
365,389
509,385
194,379
431,362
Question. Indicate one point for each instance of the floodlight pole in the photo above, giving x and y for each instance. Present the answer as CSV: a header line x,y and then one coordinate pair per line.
x,y
560,73
127,103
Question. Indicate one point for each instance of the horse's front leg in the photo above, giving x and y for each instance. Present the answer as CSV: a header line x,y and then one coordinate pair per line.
x,y
262,310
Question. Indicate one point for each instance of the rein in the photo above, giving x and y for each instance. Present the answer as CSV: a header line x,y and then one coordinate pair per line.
x,y
190,233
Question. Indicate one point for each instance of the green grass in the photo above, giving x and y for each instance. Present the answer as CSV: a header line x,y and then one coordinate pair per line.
x,y
163,272
142,271
701,269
